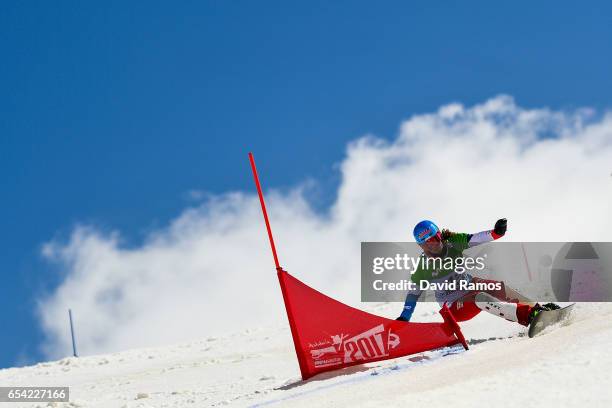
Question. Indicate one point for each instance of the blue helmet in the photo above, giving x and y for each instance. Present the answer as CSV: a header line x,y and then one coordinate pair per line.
x,y
425,230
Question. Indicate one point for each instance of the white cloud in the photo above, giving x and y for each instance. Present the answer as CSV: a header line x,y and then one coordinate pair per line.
x,y
548,172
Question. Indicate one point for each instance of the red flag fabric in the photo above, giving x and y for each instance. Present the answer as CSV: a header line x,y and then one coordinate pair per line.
x,y
329,335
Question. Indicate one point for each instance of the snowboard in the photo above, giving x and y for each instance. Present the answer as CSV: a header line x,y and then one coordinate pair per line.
x,y
547,318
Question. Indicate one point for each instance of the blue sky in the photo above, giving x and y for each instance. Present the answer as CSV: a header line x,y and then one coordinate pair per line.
x,y
111,112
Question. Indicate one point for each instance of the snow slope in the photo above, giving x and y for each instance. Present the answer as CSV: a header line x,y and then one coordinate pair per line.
x,y
569,366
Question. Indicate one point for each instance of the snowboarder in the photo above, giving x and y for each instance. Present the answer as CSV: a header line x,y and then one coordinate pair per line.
x,y
465,304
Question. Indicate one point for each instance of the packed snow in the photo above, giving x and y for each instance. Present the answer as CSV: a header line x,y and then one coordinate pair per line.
x,y
567,366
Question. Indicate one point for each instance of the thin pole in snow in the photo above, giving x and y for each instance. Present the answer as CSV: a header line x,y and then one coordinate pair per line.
x,y
265,213
526,263
74,350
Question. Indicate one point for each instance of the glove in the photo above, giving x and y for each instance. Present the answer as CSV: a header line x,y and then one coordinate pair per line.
x,y
501,226
408,308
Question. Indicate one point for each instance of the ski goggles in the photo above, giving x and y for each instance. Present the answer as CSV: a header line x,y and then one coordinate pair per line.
x,y
428,234
436,238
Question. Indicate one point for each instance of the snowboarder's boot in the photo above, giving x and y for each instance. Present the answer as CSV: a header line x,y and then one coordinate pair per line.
x,y
539,308
552,306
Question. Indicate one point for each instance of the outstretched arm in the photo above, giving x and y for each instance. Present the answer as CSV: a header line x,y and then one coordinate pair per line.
x,y
490,235
409,305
